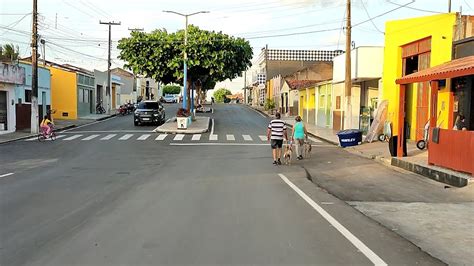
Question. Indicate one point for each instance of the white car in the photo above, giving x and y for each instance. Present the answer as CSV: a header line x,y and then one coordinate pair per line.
x,y
169,99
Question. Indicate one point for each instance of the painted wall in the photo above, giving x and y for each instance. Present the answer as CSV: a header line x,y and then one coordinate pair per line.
x,y
324,104
63,93
44,85
401,32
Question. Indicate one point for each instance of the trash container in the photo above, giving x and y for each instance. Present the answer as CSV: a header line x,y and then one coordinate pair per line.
x,y
349,137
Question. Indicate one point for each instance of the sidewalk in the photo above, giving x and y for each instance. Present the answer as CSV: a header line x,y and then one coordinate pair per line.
x,y
417,161
59,125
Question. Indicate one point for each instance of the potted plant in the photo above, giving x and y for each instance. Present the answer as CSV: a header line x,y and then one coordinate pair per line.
x,y
183,118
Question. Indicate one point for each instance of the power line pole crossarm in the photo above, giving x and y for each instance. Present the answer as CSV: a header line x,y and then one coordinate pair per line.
x,y
109,85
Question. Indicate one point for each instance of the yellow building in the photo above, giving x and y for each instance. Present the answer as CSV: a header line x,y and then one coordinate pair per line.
x,y
412,45
63,93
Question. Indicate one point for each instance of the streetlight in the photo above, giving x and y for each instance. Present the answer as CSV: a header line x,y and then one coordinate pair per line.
x,y
185,89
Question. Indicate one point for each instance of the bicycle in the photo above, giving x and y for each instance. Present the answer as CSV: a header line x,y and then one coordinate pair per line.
x,y
43,135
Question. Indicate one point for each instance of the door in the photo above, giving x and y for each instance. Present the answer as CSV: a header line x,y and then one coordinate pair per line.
x,y
328,105
91,102
114,106
3,110
43,103
422,101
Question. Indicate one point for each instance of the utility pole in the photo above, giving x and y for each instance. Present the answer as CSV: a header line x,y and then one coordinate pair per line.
x,y
185,70
56,22
348,81
34,71
43,43
449,7
109,85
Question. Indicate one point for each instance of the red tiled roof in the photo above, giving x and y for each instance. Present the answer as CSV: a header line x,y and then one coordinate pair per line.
x,y
301,84
452,69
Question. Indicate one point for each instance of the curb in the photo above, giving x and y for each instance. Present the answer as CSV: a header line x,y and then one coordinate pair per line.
x,y
185,131
437,175
56,130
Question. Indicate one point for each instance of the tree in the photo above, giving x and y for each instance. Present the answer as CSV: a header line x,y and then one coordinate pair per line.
x,y
171,89
219,95
212,56
9,52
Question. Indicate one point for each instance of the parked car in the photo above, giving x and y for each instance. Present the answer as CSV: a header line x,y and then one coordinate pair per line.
x,y
169,99
149,112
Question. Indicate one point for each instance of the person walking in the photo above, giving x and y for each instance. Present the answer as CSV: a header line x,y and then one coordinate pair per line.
x,y
298,135
276,132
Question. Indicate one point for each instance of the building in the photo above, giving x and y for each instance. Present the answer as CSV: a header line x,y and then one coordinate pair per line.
x,y
23,93
109,100
366,74
274,62
148,89
413,45
72,91
128,88
10,76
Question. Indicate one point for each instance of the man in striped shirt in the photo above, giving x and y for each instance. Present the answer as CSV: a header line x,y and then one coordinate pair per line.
x,y
276,132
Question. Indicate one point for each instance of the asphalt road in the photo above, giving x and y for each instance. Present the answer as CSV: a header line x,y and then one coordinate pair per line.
x,y
113,194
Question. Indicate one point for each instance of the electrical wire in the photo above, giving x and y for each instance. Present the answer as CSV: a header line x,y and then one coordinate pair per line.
x,y
371,20
414,8
12,25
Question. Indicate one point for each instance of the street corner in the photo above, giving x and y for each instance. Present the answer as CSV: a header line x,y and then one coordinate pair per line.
x,y
200,125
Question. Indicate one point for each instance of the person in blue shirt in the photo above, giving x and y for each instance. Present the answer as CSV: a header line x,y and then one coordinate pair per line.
x,y
298,135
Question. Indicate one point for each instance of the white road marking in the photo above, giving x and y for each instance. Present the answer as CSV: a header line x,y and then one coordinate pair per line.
x,y
73,137
126,136
230,137
263,138
31,139
247,137
5,175
108,137
179,137
315,140
218,144
196,137
374,258
144,137
60,136
108,131
161,137
213,137
212,127
91,137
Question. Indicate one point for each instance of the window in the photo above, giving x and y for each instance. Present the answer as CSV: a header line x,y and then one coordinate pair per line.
x,y
28,96
81,95
81,79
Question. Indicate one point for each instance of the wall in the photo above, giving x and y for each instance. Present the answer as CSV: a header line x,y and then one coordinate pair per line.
x,y
11,114
63,93
401,32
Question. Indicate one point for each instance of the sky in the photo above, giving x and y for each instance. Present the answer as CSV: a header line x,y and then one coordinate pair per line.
x,y
73,34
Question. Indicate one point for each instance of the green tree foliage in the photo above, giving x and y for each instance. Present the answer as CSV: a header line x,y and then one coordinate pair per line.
x,y
9,52
269,104
171,89
219,95
212,56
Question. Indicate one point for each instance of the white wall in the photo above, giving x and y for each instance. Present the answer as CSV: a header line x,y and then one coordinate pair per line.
x,y
11,112
366,62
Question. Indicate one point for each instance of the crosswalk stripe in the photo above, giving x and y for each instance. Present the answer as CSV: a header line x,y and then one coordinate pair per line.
x,y
263,138
212,137
73,137
196,137
144,137
91,137
179,137
161,137
108,137
60,136
126,136
31,139
247,137
230,137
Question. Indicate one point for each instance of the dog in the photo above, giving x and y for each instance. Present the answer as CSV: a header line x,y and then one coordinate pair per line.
x,y
288,154
307,149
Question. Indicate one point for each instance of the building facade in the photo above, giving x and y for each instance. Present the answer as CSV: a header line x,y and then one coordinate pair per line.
x,y
11,75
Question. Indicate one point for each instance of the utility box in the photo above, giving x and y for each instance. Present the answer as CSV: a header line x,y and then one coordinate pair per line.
x,y
183,122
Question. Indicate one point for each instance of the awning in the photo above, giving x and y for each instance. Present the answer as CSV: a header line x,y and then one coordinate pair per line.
x,y
452,69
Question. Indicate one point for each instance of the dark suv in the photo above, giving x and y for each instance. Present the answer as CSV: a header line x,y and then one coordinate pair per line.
x,y
149,112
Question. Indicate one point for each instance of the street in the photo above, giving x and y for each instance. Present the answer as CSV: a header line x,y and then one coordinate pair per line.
x,y
110,193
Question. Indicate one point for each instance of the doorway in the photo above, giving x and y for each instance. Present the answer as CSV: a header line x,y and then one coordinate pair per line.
x,y
3,111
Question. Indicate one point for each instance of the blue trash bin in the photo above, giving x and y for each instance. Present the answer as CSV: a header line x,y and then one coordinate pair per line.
x,y
349,137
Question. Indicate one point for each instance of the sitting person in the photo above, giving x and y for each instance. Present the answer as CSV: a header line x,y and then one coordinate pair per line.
x,y
460,123
46,125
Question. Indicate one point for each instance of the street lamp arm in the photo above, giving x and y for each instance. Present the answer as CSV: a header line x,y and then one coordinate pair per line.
x,y
174,12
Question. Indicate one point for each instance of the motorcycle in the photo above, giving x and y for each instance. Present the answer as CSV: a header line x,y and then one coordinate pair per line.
x,y
99,109
123,110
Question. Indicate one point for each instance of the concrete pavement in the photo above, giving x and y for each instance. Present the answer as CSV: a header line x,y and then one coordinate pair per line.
x,y
178,201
